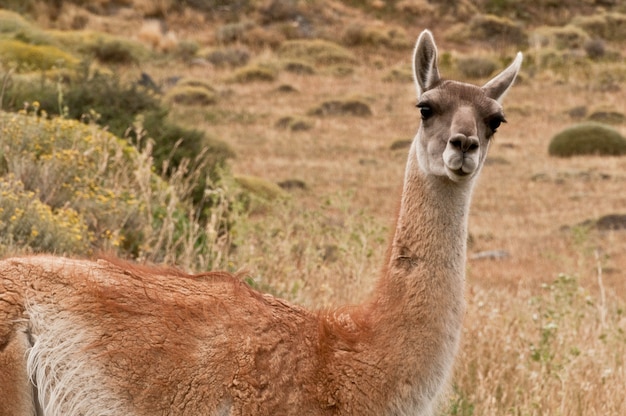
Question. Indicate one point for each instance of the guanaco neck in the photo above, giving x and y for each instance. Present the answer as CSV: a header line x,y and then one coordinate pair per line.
x,y
420,298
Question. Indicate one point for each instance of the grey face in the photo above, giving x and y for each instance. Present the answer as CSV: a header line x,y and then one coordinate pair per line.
x,y
458,121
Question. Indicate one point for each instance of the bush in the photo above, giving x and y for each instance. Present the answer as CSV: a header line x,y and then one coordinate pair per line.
x,y
68,165
191,95
26,57
26,222
253,73
595,48
317,51
588,139
109,102
73,188
298,67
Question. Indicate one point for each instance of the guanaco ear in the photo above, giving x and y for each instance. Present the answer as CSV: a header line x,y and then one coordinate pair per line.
x,y
500,84
425,70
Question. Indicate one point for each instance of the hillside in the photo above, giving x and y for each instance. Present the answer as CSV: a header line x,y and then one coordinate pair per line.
x,y
307,108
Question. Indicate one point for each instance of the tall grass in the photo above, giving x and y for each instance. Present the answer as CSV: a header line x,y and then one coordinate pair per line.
x,y
561,351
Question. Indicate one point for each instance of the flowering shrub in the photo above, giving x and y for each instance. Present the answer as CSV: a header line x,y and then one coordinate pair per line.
x,y
73,188
27,222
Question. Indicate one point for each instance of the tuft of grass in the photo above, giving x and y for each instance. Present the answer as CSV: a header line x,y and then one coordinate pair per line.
x,y
341,107
11,22
254,73
588,139
298,67
260,187
316,51
358,34
294,123
401,144
191,95
607,116
226,57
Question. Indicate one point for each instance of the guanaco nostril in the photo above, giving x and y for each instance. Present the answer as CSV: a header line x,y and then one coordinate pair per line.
x,y
463,143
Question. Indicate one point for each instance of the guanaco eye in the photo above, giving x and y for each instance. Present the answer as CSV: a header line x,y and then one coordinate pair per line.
x,y
494,122
425,110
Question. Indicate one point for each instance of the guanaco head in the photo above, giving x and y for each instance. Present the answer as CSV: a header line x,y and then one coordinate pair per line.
x,y
458,119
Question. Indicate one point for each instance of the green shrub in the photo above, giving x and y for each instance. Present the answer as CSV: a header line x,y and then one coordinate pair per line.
x,y
73,188
317,51
114,52
588,139
70,165
116,105
26,57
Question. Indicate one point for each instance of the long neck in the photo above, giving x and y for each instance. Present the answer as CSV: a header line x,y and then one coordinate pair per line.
x,y
420,298
429,244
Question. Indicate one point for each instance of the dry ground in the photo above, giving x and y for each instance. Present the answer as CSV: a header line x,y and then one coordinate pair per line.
x,y
523,203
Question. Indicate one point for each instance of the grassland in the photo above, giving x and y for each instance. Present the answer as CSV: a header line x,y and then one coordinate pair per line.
x,y
545,326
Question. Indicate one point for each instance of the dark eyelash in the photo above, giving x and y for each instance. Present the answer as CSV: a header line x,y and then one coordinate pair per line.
x,y
426,110
494,122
